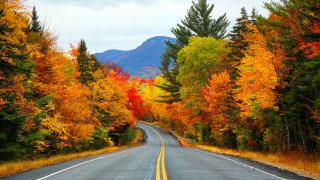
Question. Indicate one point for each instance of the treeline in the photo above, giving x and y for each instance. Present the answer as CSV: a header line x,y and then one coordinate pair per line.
x,y
52,102
256,88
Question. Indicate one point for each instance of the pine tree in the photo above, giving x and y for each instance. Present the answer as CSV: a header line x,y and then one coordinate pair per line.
x,y
35,23
254,17
198,22
87,63
83,61
237,44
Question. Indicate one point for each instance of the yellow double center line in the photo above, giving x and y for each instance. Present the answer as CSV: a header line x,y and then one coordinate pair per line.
x,y
160,160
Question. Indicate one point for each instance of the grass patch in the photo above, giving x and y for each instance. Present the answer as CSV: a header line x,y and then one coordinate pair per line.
x,y
11,168
300,164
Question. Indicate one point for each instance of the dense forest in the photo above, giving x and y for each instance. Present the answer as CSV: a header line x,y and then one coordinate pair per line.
x,y
255,88
52,102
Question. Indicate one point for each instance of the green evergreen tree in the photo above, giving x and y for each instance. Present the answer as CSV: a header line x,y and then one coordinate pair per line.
x,y
237,43
87,63
198,22
35,23
254,17
83,62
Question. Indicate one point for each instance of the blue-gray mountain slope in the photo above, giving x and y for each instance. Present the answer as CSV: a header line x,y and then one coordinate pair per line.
x,y
142,61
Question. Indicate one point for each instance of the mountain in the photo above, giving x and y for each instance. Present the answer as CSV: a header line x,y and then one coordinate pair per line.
x,y
142,61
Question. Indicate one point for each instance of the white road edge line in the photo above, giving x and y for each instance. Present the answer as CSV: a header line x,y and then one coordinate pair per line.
x,y
239,163
66,169
236,162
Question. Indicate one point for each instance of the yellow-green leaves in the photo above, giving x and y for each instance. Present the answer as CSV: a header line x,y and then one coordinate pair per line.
x,y
203,57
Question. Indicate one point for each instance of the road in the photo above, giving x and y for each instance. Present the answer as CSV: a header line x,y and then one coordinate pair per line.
x,y
160,158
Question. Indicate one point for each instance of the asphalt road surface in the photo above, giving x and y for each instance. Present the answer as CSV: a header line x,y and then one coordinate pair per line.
x,y
160,158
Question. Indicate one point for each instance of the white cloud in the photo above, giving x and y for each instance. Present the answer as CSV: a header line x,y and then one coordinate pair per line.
x,y
123,24
98,4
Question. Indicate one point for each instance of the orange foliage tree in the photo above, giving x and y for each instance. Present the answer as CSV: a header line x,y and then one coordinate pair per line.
x,y
216,94
16,105
64,116
258,77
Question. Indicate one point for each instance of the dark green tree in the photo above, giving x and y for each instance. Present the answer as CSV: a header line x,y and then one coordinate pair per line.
x,y
237,43
198,22
35,25
254,17
87,63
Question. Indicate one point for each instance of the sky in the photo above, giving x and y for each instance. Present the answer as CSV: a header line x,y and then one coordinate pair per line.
x,y
123,24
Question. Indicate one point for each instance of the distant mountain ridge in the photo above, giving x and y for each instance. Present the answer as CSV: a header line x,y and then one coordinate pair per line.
x,y
142,61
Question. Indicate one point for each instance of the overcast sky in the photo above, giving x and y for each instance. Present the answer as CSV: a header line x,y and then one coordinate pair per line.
x,y
123,24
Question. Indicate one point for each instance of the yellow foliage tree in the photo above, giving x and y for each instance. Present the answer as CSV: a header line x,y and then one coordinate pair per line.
x,y
150,95
109,96
258,77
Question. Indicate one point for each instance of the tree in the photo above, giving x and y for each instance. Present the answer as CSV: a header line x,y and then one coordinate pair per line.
x,y
150,94
237,43
258,77
15,78
254,17
110,100
297,25
216,94
83,61
255,92
198,22
87,63
35,23
136,103
44,108
201,58
197,62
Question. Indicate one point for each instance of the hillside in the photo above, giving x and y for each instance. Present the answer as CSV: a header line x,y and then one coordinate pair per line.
x,y
143,61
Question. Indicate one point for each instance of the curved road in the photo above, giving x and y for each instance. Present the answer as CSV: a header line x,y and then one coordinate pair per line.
x,y
160,158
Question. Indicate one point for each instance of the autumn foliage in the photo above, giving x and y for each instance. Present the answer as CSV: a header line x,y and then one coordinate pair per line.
x,y
216,94
258,90
52,102
258,78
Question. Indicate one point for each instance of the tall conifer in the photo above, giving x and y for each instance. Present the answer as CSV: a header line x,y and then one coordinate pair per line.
x,y
35,23
87,63
198,22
